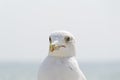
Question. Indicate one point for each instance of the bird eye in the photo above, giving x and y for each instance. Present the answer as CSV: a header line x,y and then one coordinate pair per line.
x,y
67,39
50,40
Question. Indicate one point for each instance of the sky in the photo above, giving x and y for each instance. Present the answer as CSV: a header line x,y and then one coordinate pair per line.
x,y
25,26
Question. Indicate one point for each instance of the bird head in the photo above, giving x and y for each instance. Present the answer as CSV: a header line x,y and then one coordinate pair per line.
x,y
62,44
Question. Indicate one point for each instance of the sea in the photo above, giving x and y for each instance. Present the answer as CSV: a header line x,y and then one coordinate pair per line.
x,y
29,70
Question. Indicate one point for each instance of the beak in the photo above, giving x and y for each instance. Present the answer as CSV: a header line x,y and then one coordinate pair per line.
x,y
54,46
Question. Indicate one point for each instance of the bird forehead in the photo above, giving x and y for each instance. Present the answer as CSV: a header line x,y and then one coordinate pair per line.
x,y
60,34
57,37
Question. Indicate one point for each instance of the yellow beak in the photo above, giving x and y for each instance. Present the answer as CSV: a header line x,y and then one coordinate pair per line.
x,y
52,47
55,46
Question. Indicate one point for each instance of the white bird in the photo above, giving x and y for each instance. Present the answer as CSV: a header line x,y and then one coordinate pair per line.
x,y
61,63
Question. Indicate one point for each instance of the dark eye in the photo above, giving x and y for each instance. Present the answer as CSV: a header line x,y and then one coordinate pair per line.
x,y
67,38
50,40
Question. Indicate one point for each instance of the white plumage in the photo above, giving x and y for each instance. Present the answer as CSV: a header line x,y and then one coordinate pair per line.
x,y
61,64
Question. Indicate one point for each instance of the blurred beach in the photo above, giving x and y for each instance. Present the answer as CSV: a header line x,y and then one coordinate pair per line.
x,y
29,71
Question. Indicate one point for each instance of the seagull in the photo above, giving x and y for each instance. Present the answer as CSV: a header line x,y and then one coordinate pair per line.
x,y
61,63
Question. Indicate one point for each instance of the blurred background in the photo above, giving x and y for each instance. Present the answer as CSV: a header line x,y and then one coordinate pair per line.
x,y
25,26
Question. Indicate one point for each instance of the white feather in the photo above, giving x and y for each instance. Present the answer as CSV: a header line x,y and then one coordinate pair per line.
x,y
61,64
